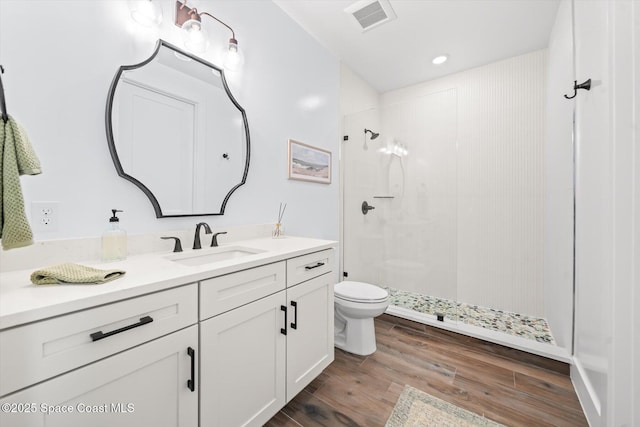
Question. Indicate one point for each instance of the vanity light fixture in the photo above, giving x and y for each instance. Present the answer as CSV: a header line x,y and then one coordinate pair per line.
x,y
441,59
146,12
195,36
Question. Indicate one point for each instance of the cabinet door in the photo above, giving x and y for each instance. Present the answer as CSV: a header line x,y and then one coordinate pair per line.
x,y
144,386
243,364
310,333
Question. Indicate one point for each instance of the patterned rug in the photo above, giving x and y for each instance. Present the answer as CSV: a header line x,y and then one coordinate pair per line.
x,y
419,409
497,320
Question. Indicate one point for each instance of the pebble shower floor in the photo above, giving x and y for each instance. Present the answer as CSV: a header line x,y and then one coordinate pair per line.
x,y
503,321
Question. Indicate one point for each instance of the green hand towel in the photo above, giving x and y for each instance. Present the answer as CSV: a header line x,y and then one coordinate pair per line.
x,y
73,273
16,158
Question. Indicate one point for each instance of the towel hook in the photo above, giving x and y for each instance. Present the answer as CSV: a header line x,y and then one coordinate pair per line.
x,y
3,104
586,85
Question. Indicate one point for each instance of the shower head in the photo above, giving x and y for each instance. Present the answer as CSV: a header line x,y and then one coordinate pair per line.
x,y
374,135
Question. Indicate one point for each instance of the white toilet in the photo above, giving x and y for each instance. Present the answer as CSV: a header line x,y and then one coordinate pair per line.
x,y
356,304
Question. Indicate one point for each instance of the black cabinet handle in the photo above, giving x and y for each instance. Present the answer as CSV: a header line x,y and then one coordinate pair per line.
x,y
283,331
97,336
294,325
311,267
192,382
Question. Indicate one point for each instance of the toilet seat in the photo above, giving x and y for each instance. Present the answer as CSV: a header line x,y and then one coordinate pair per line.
x,y
360,292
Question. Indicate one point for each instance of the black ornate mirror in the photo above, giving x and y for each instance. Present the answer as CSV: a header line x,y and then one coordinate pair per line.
x,y
175,130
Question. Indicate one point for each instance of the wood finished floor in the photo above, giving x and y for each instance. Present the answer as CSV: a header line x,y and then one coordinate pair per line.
x,y
508,386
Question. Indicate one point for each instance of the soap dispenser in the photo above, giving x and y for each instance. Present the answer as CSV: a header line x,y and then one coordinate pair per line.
x,y
114,240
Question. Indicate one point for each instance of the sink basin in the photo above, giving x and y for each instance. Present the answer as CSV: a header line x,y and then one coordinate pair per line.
x,y
209,256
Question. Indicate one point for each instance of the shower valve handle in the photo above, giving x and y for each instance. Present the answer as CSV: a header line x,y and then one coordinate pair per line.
x,y
366,207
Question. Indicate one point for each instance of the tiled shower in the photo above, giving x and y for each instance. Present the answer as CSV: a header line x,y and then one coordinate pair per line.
x,y
456,178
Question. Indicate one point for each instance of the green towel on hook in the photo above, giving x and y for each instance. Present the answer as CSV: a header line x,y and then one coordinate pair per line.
x,y
73,273
16,158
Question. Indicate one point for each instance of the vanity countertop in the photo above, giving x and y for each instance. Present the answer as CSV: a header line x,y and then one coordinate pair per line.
x,y
22,302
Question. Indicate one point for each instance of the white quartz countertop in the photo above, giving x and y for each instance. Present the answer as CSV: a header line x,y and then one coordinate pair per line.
x,y
23,302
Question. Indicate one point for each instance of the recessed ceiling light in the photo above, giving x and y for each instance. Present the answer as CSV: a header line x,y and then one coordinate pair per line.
x,y
440,59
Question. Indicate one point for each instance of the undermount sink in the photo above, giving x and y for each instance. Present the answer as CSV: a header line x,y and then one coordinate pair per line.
x,y
209,256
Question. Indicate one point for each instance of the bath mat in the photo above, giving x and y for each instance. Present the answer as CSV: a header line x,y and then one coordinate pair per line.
x,y
415,408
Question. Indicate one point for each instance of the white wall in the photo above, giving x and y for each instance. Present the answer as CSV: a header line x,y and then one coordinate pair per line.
x,y
594,244
558,181
356,95
606,359
500,185
634,294
58,70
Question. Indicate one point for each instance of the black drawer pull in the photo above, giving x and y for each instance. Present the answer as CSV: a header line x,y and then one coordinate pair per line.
x,y
192,382
294,325
283,331
311,267
96,336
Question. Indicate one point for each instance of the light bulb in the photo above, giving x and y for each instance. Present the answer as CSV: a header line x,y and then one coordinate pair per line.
x,y
146,12
234,59
195,37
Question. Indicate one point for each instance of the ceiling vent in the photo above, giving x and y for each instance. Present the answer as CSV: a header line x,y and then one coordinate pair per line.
x,y
371,13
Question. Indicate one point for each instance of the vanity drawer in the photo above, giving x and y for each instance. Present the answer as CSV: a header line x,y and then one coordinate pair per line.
x,y
307,267
37,351
225,293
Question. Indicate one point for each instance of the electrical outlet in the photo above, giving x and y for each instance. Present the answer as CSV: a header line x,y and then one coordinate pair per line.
x,y
44,216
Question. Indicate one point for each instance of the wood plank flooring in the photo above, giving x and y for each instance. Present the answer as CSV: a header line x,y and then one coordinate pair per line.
x,y
509,386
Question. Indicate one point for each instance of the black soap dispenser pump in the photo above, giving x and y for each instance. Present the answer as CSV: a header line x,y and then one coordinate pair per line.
x,y
114,240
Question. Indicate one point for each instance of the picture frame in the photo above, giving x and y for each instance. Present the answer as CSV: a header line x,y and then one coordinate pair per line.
x,y
309,163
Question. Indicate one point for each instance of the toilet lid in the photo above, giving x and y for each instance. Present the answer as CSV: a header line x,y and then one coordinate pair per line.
x,y
360,292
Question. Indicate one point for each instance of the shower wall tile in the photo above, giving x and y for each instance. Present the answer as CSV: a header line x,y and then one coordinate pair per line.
x,y
501,186
484,196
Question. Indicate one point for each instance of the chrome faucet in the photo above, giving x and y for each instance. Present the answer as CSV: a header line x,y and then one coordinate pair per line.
x,y
196,238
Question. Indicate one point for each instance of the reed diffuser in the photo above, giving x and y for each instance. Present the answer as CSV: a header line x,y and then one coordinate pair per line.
x,y
278,231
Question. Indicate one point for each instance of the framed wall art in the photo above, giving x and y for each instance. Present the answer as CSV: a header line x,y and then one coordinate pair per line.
x,y
308,163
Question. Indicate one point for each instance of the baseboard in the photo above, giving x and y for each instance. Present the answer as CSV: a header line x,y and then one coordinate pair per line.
x,y
591,405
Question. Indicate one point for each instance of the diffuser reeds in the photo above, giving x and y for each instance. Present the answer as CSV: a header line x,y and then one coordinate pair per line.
x,y
278,231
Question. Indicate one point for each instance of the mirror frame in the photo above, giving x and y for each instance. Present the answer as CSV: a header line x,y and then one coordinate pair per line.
x,y
112,145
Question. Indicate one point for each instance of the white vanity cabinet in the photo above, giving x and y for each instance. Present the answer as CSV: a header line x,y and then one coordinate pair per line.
x,y
257,357
130,363
229,348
